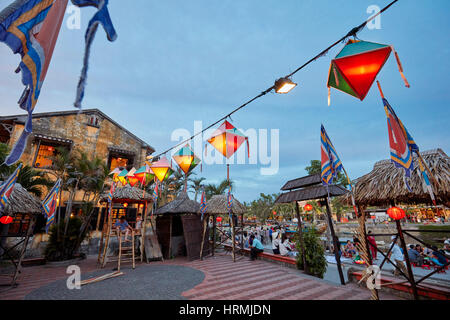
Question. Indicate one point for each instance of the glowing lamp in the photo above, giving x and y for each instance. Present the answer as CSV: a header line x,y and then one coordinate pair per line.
x,y
284,85
274,213
219,219
355,68
144,174
396,213
6,220
227,139
308,207
186,159
141,206
161,169
125,205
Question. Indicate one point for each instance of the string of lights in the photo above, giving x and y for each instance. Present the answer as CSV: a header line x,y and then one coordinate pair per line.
x,y
284,84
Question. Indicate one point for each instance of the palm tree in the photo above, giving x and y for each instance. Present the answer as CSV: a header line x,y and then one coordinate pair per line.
x,y
197,186
212,189
34,181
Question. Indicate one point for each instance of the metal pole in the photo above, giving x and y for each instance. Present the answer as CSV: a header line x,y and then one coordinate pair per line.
x,y
408,264
300,235
335,243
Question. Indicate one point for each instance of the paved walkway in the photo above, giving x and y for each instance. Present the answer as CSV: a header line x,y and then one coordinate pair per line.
x,y
221,279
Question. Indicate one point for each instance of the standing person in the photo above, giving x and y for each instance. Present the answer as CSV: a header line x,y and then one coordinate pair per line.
x,y
372,245
397,256
270,234
256,247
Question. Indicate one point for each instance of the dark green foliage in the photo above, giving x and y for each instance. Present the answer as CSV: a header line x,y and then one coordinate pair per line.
x,y
55,251
315,254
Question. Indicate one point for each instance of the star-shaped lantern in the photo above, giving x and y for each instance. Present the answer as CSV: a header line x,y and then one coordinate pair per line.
x,y
355,68
227,139
186,159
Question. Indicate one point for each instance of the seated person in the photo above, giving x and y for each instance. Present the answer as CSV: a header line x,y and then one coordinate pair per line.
x,y
121,226
414,256
285,247
256,247
349,248
437,257
447,247
276,242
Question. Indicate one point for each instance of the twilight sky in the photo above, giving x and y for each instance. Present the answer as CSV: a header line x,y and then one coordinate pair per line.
x,y
176,62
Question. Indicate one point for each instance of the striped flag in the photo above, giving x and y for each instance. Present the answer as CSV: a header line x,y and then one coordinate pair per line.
x,y
401,143
49,204
155,192
31,28
331,164
203,205
7,188
111,192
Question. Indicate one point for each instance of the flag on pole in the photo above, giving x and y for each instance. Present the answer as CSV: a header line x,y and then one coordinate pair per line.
x,y
426,180
331,164
155,192
49,204
203,205
111,192
7,188
31,29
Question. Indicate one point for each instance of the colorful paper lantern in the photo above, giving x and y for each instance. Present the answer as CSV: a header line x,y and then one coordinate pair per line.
x,y
227,139
308,207
355,68
132,180
186,159
162,169
219,219
396,213
122,177
6,220
125,205
144,174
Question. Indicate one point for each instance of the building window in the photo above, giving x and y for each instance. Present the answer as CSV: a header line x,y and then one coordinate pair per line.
x,y
93,120
46,151
117,162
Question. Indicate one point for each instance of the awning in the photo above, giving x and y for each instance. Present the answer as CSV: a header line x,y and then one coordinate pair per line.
x,y
52,139
121,151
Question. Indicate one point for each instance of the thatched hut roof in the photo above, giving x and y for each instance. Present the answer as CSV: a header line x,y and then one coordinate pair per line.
x,y
182,204
385,184
218,205
128,193
21,201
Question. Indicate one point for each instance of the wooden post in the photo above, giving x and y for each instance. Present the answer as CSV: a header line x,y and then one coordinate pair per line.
x,y
335,243
408,263
242,234
205,225
120,249
100,245
170,238
144,230
233,236
24,248
300,235
132,249
214,236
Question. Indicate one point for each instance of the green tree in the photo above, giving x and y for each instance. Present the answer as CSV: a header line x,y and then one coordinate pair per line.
x,y
197,186
217,189
314,252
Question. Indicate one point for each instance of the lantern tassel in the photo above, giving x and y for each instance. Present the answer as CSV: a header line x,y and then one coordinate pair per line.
x,y
400,68
329,96
206,149
248,148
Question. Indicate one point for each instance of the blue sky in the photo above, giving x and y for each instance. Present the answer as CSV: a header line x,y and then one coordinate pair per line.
x,y
175,62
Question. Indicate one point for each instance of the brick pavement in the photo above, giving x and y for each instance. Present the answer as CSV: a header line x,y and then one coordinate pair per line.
x,y
224,280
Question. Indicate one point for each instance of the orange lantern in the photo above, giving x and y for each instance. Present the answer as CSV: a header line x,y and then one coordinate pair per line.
x,y
186,159
6,220
219,219
396,213
161,168
308,207
125,205
227,139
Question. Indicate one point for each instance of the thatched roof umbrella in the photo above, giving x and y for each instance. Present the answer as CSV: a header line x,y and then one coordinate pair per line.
x,y
182,204
21,201
385,184
128,194
218,205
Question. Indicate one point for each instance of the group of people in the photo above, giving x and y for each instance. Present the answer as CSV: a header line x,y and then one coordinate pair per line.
x,y
281,243
433,255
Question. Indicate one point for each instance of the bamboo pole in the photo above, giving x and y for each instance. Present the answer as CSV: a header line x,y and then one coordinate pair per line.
x,y
24,248
100,246
233,236
120,249
170,238
300,235
214,236
132,249
335,242
205,223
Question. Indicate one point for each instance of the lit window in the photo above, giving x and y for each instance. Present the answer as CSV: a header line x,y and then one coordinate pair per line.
x,y
117,162
44,156
93,120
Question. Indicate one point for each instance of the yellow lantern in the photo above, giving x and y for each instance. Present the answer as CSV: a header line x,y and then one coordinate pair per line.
x,y
161,168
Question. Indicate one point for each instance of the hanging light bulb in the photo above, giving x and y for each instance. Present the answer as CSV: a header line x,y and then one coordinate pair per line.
x,y
284,85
